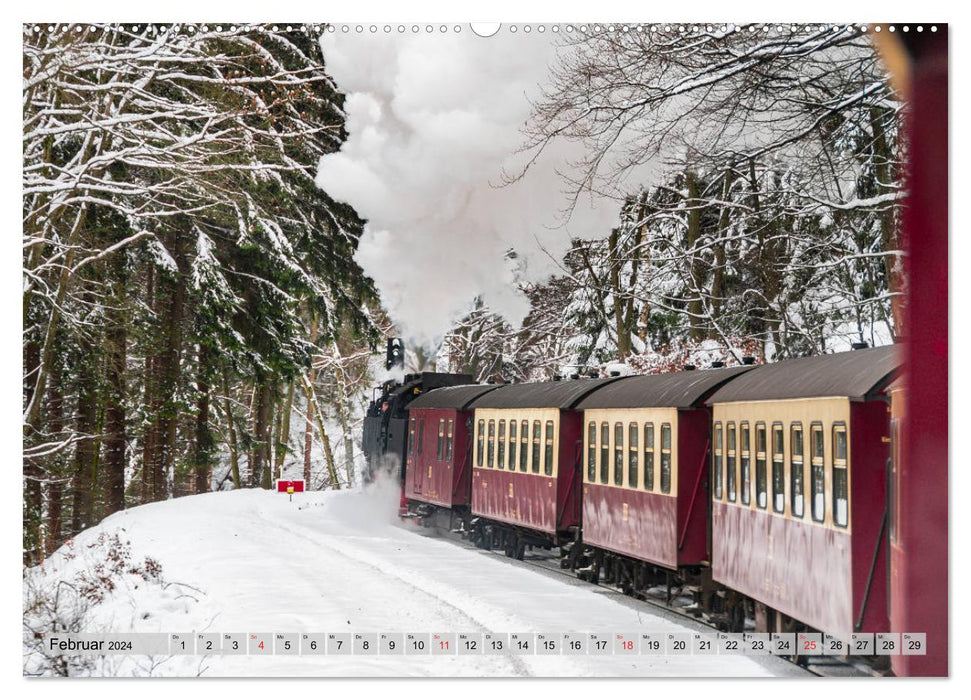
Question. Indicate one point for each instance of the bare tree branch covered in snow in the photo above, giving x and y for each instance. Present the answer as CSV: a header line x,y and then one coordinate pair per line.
x,y
777,219
176,252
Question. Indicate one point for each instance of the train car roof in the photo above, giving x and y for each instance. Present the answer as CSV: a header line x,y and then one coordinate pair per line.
x,y
857,375
670,390
457,397
562,394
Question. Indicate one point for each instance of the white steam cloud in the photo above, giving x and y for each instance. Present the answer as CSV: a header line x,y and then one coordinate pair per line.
x,y
434,121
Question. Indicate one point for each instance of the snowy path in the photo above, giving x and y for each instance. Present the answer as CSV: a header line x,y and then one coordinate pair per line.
x,y
337,562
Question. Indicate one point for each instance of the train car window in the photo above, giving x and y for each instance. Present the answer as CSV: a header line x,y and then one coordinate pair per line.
x,y
746,463
548,457
761,495
537,435
512,445
440,447
591,452
797,498
479,442
604,452
451,440
421,434
665,458
841,492
618,454
818,471
411,436
648,456
778,469
491,447
716,464
632,465
730,462
523,445
501,446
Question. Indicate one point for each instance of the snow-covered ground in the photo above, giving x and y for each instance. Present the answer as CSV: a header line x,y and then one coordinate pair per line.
x,y
252,561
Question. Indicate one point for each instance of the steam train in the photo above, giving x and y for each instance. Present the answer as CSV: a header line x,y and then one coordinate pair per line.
x,y
803,524
764,489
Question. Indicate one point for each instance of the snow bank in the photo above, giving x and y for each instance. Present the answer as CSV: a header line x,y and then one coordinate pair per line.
x,y
253,561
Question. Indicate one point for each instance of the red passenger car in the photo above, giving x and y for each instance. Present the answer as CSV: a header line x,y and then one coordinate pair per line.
x,y
525,478
799,490
645,491
438,470
919,552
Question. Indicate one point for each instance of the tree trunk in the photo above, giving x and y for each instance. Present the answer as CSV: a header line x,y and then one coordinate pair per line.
x,y
231,430
308,435
116,437
204,442
308,440
47,352
324,438
767,265
262,422
84,484
163,373
55,483
695,306
343,413
283,430
615,261
718,274
172,378
33,495
150,381
885,177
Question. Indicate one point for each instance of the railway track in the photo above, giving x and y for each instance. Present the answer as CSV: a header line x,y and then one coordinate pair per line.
x,y
681,608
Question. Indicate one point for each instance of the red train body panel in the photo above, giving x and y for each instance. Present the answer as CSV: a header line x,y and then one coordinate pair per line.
x,y
693,444
639,520
547,504
797,568
919,552
870,455
634,523
439,478
817,575
823,569
670,530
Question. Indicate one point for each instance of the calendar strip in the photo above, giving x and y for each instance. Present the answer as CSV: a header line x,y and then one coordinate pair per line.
x,y
488,643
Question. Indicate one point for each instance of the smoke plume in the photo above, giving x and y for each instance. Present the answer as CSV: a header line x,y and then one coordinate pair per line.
x,y
434,121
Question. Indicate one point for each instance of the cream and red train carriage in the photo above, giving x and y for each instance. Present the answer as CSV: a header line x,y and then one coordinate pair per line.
x,y
526,486
438,458
799,462
645,466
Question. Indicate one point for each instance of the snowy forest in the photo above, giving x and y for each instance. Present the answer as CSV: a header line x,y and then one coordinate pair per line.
x,y
773,232
194,318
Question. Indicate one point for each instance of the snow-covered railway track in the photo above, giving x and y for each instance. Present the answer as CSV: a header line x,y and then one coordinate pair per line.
x,y
678,609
